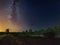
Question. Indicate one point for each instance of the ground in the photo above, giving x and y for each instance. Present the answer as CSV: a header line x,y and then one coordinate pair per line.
x,y
11,40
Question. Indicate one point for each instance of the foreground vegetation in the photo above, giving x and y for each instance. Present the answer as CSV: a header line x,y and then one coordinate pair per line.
x,y
46,32
27,37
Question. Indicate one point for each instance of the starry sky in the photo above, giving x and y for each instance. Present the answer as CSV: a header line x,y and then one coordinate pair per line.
x,y
41,13
35,14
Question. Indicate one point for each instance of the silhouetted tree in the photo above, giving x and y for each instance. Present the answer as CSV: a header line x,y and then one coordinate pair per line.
x,y
7,31
30,30
26,31
57,30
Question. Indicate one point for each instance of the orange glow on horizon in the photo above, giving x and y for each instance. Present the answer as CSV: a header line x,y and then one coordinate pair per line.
x,y
11,28
4,24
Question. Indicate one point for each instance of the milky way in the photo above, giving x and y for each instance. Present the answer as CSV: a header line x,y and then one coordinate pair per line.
x,y
7,20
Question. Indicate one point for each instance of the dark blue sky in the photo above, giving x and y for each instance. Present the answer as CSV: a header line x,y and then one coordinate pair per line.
x,y
41,13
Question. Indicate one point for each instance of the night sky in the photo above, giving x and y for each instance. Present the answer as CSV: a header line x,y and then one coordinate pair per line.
x,y
41,13
35,14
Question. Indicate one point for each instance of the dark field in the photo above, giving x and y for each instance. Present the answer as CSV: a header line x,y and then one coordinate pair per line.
x,y
9,40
